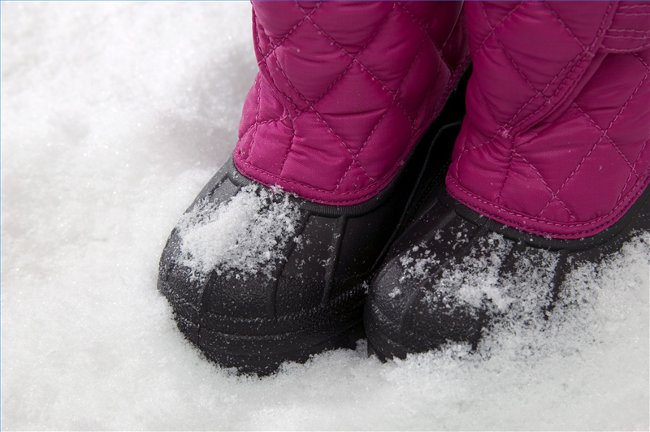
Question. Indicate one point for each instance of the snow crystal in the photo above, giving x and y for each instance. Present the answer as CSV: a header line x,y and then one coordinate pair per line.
x,y
417,266
243,234
115,114
476,279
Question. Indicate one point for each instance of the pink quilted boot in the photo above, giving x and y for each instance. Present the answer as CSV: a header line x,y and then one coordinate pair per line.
x,y
268,263
550,170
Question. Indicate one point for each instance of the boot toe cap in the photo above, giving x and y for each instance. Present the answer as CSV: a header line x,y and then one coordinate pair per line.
x,y
243,271
413,315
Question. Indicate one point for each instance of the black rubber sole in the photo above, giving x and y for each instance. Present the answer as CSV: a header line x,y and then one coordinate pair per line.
x,y
387,346
251,349
262,357
382,346
386,337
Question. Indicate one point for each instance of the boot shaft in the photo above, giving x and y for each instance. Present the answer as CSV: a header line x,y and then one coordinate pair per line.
x,y
344,92
558,115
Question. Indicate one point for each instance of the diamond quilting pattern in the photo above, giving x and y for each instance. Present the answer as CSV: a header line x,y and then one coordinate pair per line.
x,y
557,144
347,79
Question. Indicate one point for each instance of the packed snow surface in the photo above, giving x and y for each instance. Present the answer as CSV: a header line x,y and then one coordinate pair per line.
x,y
114,115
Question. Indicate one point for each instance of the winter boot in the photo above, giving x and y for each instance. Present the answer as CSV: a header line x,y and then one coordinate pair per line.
x,y
268,264
550,170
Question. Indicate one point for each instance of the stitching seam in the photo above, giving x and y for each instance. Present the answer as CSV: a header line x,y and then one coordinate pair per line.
x,y
614,213
609,126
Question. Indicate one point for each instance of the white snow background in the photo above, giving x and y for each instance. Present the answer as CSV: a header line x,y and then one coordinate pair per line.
x,y
114,115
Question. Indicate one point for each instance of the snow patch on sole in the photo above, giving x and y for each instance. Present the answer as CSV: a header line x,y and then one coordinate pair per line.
x,y
243,236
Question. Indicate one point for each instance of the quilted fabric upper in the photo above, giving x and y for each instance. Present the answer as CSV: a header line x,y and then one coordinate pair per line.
x,y
344,91
555,140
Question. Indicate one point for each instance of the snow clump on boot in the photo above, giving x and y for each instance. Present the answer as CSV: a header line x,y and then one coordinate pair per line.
x,y
242,236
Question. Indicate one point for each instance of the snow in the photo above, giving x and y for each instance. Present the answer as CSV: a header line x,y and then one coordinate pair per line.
x,y
476,282
114,115
239,236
